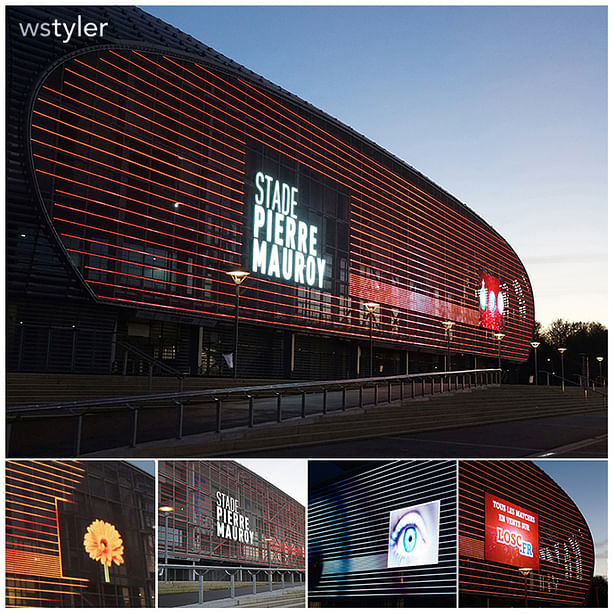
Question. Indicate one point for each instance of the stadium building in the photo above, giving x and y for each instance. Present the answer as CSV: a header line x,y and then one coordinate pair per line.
x,y
522,540
143,167
219,513
79,534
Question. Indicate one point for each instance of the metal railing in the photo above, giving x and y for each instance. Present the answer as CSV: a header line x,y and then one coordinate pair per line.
x,y
233,571
145,418
130,349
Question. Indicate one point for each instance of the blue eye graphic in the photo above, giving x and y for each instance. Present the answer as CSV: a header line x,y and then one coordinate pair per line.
x,y
413,535
408,539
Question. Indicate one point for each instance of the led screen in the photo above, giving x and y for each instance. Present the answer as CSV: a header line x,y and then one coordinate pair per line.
x,y
511,534
413,535
491,302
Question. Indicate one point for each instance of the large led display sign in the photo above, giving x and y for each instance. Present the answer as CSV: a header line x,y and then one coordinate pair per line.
x,y
230,523
414,535
491,302
284,247
511,534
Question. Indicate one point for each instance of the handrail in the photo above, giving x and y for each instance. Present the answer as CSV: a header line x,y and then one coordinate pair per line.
x,y
230,408
187,395
251,570
151,361
243,568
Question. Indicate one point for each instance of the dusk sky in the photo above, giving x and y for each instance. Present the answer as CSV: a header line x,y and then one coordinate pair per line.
x,y
503,107
586,483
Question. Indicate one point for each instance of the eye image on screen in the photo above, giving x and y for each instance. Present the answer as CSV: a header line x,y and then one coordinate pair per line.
x,y
414,535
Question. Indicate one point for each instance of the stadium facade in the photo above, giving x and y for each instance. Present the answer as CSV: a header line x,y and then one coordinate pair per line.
x,y
143,166
522,540
52,507
223,514
382,534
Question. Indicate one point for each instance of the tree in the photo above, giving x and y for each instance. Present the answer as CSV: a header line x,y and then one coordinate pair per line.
x,y
584,341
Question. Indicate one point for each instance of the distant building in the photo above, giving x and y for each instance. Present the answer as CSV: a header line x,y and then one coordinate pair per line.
x,y
51,506
522,540
226,515
143,166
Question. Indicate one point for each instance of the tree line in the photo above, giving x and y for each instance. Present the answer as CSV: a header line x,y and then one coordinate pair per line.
x,y
584,343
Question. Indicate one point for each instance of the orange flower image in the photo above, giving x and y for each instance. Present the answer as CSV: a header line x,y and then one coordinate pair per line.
x,y
103,544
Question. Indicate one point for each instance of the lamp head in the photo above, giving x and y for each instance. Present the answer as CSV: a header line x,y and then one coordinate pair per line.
x,y
371,306
499,336
238,276
534,344
599,359
561,350
448,324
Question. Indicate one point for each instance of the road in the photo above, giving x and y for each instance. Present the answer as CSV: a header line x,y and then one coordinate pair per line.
x,y
578,435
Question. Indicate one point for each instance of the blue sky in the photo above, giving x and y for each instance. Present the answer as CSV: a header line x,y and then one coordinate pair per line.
x,y
586,483
504,107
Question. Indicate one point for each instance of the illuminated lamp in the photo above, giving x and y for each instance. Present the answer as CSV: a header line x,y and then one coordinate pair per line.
x,y
525,572
600,359
448,331
166,511
499,336
561,352
535,345
239,277
370,307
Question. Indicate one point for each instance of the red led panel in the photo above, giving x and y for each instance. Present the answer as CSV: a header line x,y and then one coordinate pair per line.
x,y
491,302
146,165
511,534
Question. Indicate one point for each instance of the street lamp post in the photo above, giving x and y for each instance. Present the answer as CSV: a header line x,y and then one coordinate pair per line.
x,y
600,359
561,351
166,511
535,345
499,337
525,572
268,540
448,331
371,308
238,277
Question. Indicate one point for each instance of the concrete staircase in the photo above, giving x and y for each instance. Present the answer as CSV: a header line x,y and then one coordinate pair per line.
x,y
442,411
293,598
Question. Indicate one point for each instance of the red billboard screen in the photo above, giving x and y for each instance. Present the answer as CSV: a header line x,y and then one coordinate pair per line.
x,y
491,302
511,534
